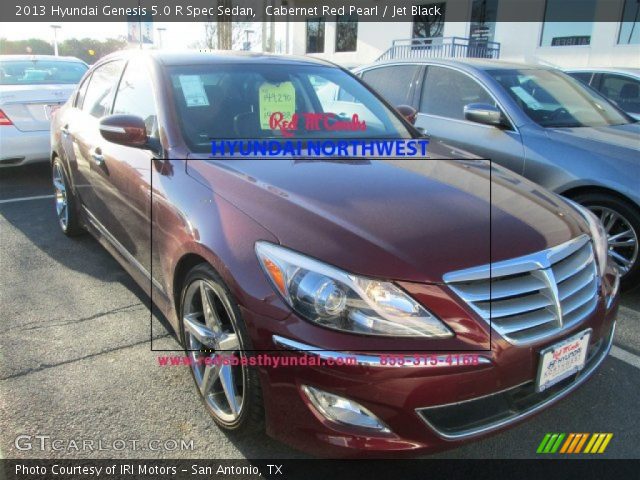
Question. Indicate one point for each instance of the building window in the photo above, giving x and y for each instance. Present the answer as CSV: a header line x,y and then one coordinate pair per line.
x,y
429,27
483,20
315,35
558,29
630,23
346,33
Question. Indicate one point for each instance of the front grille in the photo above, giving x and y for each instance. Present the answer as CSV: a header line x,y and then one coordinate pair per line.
x,y
529,298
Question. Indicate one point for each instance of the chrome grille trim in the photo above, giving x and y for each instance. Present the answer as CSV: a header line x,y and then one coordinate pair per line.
x,y
529,298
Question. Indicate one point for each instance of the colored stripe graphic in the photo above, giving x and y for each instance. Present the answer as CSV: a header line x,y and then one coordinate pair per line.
x,y
543,443
591,442
573,443
607,439
550,443
581,442
556,446
567,443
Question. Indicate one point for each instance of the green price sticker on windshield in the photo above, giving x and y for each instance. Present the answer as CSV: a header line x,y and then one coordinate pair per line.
x,y
279,97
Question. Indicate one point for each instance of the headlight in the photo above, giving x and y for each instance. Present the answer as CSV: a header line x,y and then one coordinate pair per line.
x,y
336,299
598,234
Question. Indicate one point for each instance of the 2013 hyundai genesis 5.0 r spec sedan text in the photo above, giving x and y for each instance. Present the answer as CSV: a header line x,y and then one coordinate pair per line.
x,y
468,297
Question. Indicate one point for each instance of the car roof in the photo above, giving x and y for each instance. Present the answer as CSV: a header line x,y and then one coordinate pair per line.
x,y
39,57
466,64
631,71
203,57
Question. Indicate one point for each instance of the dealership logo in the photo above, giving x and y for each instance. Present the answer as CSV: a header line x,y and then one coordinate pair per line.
x,y
314,122
574,443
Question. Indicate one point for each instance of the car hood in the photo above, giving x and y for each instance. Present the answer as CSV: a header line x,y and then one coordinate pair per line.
x,y
412,220
615,141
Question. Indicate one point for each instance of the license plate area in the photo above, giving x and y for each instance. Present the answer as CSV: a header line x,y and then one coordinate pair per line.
x,y
562,360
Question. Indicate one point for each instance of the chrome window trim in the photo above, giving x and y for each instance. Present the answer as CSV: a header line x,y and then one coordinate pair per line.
x,y
513,128
474,432
368,360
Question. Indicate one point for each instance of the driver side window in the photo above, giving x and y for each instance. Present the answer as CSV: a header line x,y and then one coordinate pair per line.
x,y
445,92
135,97
99,95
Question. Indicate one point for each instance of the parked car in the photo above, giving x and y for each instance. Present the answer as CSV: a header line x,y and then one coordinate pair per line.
x,y
31,88
620,85
538,122
363,264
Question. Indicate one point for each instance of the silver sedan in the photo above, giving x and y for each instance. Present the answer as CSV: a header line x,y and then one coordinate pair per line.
x,y
538,122
31,88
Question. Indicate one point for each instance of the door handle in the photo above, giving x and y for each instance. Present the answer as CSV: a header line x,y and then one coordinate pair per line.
x,y
65,130
97,156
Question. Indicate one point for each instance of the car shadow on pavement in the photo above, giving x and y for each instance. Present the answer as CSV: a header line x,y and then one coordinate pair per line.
x,y
35,225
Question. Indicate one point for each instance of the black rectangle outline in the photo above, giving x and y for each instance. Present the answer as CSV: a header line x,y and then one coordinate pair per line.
x,y
376,351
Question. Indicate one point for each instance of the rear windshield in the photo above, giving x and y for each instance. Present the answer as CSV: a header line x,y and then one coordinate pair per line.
x,y
261,101
40,72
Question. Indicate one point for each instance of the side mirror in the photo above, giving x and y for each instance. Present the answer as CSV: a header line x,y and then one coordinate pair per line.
x,y
483,113
409,113
128,130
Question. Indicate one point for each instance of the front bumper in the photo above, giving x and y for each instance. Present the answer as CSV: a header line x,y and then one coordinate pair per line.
x,y
427,409
19,148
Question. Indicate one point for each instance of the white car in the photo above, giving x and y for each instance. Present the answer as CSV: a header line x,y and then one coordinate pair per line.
x,y
31,88
621,85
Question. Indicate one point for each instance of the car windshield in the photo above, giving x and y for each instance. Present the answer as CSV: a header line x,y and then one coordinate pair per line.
x,y
39,72
554,100
276,101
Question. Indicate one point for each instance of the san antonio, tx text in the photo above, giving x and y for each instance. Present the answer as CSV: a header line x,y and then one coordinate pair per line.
x,y
142,469
320,148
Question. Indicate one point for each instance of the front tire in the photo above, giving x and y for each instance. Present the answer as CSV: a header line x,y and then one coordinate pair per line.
x,y
211,325
622,224
65,200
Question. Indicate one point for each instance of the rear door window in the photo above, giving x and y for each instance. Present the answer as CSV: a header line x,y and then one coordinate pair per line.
x,y
394,82
623,90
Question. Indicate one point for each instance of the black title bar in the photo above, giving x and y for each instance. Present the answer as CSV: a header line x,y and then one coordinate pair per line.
x,y
300,10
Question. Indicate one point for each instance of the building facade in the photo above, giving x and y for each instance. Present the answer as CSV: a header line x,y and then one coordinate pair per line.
x,y
551,41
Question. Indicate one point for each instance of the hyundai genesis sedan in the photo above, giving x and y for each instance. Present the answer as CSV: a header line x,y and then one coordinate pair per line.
x,y
435,300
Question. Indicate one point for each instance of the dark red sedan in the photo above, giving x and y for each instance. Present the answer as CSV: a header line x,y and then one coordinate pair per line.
x,y
440,299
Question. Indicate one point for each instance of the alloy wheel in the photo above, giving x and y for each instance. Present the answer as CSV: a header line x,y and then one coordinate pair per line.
x,y
622,238
211,336
62,205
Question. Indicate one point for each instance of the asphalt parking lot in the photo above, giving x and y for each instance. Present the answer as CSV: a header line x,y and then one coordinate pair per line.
x,y
76,363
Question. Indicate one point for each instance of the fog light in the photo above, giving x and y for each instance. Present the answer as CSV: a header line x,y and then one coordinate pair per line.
x,y
344,411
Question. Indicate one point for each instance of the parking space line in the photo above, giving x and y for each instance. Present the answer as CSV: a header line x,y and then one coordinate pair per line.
x,y
24,199
625,356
